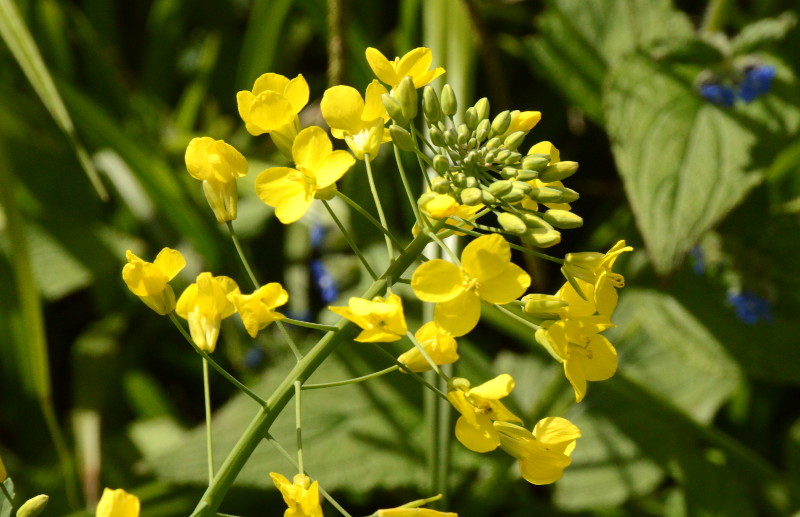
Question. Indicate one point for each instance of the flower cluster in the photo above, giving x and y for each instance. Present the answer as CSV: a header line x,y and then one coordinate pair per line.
x,y
746,84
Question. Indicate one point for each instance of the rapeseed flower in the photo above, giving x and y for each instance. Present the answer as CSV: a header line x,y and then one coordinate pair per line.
x,y
257,310
301,496
415,64
204,305
555,157
588,266
544,453
479,407
117,503
521,121
358,121
486,273
149,281
318,167
382,319
437,343
217,164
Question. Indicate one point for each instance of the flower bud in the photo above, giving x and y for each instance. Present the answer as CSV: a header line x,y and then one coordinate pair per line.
x,y
460,180
394,109
536,162
493,143
511,223
541,237
553,195
502,155
471,118
471,196
33,506
523,186
448,101
463,133
487,198
558,171
482,132
545,306
440,185
430,105
222,198
401,138
490,156
514,196
406,95
500,187
451,138
501,122
472,143
512,141
509,173
534,221
512,158
437,137
563,219
527,174
482,109
441,164
425,198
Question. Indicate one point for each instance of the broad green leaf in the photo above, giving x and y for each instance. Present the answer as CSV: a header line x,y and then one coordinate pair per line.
x,y
5,505
761,33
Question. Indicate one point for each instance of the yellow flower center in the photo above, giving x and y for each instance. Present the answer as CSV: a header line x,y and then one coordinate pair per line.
x,y
470,284
302,175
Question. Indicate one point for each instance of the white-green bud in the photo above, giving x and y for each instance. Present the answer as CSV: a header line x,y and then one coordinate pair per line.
x,y
542,237
514,195
512,141
406,95
472,143
471,118
463,134
471,196
567,195
441,164
401,138
437,137
482,108
501,122
536,162
425,198
545,195
448,101
394,109
521,185
509,173
430,105
460,180
500,187
482,132
493,143
558,171
488,198
545,306
527,175
440,185
513,157
502,155
534,221
511,223
563,219
33,506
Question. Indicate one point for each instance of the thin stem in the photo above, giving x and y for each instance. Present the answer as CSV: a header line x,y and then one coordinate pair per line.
x,y
272,441
515,246
308,324
209,442
354,380
350,241
407,187
296,351
381,216
446,249
239,250
247,391
517,317
298,426
413,374
424,353
62,450
358,208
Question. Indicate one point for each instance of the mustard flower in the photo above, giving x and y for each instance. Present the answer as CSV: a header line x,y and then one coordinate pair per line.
x,y
205,304
382,319
600,298
585,354
117,503
486,273
149,281
522,121
415,64
437,343
217,164
257,310
359,121
587,266
272,107
318,167
544,453
555,157
301,496
440,206
479,407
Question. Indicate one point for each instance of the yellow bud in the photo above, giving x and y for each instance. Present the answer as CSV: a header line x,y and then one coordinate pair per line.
x,y
471,196
511,223
33,506
406,95
542,237
563,219
448,101
545,306
558,171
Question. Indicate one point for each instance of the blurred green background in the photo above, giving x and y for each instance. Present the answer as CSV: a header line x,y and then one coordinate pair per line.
x,y
100,98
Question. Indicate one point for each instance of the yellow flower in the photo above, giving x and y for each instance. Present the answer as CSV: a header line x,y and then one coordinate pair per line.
x,y
414,64
601,297
257,310
382,319
522,121
358,121
437,343
544,453
149,281
301,496
318,167
117,503
414,512
217,165
272,107
486,273
587,266
479,407
439,206
585,354
555,157
205,304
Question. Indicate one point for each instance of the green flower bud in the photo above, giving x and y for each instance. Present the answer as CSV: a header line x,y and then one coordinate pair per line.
x,y
514,140
472,182
534,221
511,223
514,196
536,162
437,137
440,185
472,143
488,198
463,134
521,185
563,219
401,138
546,195
509,173
502,155
33,506
541,237
472,158
482,109
567,195
394,109
441,164
460,180
425,199
471,118
482,132
545,306
513,157
449,103
558,171
501,122
451,137
500,187
527,175
430,105
493,143
406,95
471,196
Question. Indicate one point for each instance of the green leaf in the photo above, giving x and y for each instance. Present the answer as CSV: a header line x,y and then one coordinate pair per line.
x,y
6,506
262,40
761,33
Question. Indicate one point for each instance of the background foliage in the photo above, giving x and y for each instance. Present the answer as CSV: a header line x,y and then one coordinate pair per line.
x,y
701,418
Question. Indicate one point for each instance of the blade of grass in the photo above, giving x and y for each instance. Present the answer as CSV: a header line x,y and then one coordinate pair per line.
x,y
261,40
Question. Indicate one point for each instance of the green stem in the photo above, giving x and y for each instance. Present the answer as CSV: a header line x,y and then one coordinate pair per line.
x,y
716,14
7,496
308,325
239,250
351,242
354,380
517,317
417,377
424,353
407,187
446,249
298,425
358,208
230,378
263,420
381,216
296,351
209,442
272,441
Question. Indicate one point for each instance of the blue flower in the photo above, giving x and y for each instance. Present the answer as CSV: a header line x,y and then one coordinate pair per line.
x,y
749,307
698,260
718,94
757,81
324,281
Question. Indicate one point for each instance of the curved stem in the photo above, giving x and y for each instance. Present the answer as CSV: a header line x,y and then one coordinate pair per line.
x,y
351,242
424,353
308,324
209,436
298,426
406,186
446,249
296,351
517,317
240,251
381,215
354,380
358,208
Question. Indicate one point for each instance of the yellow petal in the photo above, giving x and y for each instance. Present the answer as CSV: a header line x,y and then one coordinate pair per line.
x,y
481,437
269,111
333,167
244,100
430,75
296,92
170,262
437,281
459,315
511,283
117,503
573,369
291,198
546,148
270,82
373,104
496,388
196,157
311,147
557,433
484,257
381,67
415,63
543,467
342,107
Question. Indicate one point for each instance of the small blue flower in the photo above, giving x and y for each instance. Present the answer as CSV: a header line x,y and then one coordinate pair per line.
x,y
757,81
316,234
698,260
749,307
718,94
324,281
